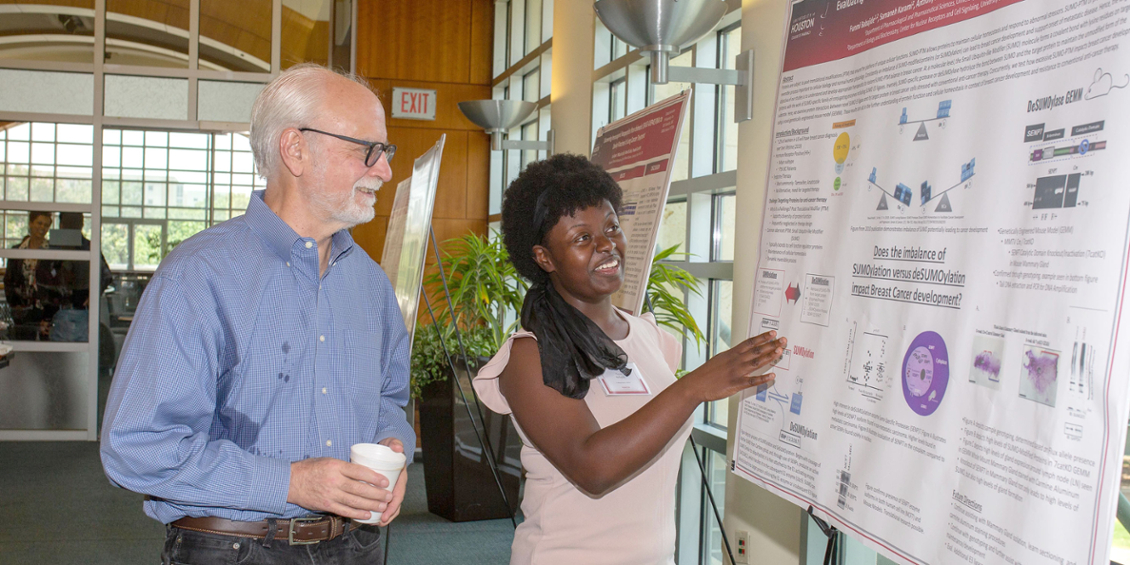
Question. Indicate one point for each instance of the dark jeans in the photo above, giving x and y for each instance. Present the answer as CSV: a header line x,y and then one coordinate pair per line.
x,y
360,544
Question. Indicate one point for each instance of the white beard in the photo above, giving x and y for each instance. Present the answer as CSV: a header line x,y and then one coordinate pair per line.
x,y
346,209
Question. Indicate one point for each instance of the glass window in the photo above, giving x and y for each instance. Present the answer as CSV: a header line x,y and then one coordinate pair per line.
x,y
184,182
617,99
712,548
725,210
43,162
238,34
673,227
721,315
529,133
533,24
660,92
146,34
305,32
619,48
531,86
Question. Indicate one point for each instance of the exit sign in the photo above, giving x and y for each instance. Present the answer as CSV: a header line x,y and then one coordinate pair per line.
x,y
413,103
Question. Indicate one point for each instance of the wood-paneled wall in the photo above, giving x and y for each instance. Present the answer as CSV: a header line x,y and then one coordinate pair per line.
x,y
443,45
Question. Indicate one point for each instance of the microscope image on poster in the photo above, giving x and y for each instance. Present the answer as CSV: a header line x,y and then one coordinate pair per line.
x,y
988,351
1039,375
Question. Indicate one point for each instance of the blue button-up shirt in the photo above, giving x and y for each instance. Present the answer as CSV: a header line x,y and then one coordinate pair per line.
x,y
241,360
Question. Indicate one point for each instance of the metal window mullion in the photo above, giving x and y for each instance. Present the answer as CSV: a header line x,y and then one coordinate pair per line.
x,y
129,243
193,57
276,39
721,270
725,181
44,254
352,36
210,190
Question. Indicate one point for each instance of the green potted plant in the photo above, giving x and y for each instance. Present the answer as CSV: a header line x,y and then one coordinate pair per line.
x,y
486,294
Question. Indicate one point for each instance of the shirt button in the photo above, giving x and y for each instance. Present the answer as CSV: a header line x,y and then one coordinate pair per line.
x,y
329,443
321,338
288,263
309,244
323,390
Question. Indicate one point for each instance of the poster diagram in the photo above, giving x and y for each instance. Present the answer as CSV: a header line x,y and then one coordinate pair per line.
x,y
944,244
921,133
925,373
867,363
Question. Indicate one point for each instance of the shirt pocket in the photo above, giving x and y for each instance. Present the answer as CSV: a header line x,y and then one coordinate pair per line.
x,y
363,365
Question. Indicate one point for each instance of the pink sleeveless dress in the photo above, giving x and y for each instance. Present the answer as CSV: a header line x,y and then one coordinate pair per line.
x,y
635,523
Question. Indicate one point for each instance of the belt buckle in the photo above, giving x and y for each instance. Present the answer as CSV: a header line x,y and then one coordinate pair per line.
x,y
290,532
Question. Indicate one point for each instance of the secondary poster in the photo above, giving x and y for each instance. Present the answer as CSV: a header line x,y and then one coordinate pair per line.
x,y
639,152
944,244
406,240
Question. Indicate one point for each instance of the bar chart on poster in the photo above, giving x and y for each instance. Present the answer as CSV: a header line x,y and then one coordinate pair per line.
x,y
944,244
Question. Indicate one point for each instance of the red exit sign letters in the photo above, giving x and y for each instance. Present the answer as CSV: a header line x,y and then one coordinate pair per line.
x,y
413,103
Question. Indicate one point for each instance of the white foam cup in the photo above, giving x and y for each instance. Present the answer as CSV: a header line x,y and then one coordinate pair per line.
x,y
381,459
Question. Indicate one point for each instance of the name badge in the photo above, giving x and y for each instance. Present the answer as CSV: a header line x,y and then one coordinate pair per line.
x,y
616,383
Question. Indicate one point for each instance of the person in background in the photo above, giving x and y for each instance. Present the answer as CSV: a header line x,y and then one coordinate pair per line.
x,y
34,288
264,347
592,388
70,323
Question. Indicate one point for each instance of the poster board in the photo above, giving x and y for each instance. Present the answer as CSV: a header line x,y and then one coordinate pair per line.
x,y
406,240
639,152
944,244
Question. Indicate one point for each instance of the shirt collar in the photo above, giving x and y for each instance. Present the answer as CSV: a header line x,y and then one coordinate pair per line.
x,y
280,237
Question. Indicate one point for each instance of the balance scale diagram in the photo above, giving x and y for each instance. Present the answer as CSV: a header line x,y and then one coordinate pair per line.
x,y
904,195
921,134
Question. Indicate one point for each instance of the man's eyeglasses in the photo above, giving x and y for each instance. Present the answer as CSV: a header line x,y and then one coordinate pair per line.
x,y
375,148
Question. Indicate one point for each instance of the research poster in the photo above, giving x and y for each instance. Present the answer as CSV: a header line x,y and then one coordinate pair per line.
x,y
639,152
944,244
406,239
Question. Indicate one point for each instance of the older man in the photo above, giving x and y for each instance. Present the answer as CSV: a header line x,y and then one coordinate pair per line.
x,y
264,347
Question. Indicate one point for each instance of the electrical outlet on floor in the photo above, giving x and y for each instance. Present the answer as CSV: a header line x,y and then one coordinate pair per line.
x,y
741,552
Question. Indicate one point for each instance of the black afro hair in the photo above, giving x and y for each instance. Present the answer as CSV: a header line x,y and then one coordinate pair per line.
x,y
541,195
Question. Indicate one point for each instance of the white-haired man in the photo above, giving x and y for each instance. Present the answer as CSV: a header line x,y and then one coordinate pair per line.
x,y
264,347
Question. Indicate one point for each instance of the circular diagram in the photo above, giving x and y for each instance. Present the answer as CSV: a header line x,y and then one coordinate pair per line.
x,y
925,373
840,151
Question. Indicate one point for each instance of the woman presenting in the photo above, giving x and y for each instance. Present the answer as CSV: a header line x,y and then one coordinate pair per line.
x,y
591,388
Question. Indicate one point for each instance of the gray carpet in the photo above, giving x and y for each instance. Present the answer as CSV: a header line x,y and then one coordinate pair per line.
x,y
56,506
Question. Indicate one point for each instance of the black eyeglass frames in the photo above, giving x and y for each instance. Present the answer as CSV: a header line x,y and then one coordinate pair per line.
x,y
375,148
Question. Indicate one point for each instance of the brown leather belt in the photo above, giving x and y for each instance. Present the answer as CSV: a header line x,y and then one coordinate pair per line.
x,y
297,531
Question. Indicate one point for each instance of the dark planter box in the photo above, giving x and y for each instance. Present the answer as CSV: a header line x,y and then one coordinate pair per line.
x,y
458,480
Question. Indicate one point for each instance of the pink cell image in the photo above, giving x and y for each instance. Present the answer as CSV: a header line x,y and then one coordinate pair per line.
x,y
987,361
1041,369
